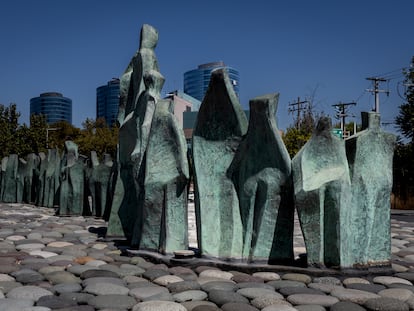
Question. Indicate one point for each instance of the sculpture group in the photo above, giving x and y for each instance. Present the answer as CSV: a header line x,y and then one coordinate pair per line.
x,y
246,186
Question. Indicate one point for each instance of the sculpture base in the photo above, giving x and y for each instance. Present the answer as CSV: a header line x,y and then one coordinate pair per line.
x,y
238,265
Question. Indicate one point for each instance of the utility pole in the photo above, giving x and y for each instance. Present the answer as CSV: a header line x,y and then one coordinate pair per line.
x,y
376,90
342,109
298,107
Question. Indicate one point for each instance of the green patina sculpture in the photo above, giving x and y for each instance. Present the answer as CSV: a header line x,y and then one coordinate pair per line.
x,y
220,126
3,176
261,171
20,180
72,185
97,178
164,226
31,178
134,109
52,179
370,153
321,192
40,172
10,179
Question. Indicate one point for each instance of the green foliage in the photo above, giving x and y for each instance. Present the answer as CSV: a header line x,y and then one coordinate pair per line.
x,y
294,139
97,136
405,118
23,139
9,139
404,152
296,136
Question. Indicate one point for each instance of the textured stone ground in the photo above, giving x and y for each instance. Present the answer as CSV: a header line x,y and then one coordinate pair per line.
x,y
63,263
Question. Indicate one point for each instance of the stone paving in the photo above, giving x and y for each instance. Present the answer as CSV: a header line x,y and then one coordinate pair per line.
x,y
65,264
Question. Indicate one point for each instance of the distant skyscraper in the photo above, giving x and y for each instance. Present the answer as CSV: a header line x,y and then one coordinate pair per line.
x,y
107,101
53,105
196,81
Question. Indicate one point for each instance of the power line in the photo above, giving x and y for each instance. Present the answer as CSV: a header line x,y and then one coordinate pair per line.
x,y
298,107
376,90
342,112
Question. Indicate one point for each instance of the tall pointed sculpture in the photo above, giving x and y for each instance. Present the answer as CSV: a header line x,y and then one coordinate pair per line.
x,y
220,126
164,216
132,85
370,153
261,171
321,190
72,186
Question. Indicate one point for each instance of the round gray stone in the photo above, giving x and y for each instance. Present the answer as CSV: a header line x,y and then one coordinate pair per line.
x,y
96,280
112,302
255,292
28,276
80,298
285,283
158,306
183,286
346,306
220,297
265,301
142,293
309,308
353,295
192,305
386,304
66,288
28,292
55,302
237,306
59,277
15,304
93,273
190,295
153,274
287,291
321,300
218,285
106,289
254,285
373,288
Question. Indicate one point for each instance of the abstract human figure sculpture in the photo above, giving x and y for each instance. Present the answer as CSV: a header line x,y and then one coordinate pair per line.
x,y
321,191
10,179
30,178
132,85
370,153
164,226
72,187
220,126
261,171
52,179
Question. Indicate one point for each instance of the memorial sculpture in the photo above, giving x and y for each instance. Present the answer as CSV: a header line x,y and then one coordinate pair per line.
x,y
244,180
30,178
97,178
124,213
220,126
52,179
72,185
261,172
10,179
321,191
164,215
370,154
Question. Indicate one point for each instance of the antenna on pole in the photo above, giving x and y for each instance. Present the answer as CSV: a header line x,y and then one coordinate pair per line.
x,y
298,107
376,91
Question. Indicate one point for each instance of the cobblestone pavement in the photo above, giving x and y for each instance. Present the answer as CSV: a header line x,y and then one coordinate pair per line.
x,y
64,263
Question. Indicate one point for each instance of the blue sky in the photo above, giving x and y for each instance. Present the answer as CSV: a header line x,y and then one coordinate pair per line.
x,y
297,48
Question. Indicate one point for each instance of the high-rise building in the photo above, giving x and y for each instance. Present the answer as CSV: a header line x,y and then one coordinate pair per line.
x,y
107,101
196,81
52,105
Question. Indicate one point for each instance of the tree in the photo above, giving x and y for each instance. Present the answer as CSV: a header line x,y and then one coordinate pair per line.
x,y
97,136
9,124
403,169
296,136
60,132
405,118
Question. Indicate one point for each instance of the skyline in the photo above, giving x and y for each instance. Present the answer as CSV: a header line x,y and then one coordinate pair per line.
x,y
324,49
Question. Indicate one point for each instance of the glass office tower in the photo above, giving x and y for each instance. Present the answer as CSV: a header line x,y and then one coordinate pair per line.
x,y
53,105
107,101
196,81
